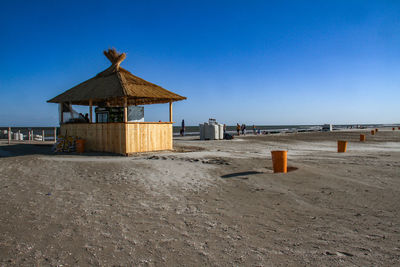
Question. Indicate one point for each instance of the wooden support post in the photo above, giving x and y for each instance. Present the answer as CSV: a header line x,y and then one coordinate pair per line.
x,y
125,109
91,111
29,135
9,135
61,113
19,135
42,135
55,134
170,111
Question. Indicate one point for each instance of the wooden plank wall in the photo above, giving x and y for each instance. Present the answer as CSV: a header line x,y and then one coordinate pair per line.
x,y
143,137
101,137
122,138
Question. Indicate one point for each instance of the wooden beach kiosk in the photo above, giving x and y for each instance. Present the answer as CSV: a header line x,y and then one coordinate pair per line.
x,y
116,88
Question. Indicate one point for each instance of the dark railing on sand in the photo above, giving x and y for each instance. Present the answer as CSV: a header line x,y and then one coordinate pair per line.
x,y
28,134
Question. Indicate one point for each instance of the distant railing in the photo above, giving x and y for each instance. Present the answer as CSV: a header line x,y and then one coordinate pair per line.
x,y
29,134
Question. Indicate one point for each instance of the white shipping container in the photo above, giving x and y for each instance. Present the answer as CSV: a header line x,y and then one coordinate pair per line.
x,y
214,130
211,130
201,126
18,136
221,131
207,130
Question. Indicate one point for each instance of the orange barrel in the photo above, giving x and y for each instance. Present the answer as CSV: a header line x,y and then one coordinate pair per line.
x,y
279,161
373,132
376,130
341,146
362,137
80,145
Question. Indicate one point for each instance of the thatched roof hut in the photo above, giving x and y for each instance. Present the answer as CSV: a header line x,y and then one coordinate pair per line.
x,y
115,84
117,87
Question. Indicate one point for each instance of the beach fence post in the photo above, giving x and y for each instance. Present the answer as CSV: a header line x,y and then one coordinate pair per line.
x,y
55,134
43,135
9,135
19,135
279,161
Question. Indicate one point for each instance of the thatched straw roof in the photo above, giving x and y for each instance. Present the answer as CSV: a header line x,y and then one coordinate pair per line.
x,y
110,87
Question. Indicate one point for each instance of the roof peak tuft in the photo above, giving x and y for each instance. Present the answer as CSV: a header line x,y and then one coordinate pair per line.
x,y
115,57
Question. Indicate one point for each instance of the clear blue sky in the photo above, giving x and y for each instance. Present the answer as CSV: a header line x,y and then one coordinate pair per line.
x,y
262,62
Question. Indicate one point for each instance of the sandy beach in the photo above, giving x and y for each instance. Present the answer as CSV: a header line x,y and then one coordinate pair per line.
x,y
208,203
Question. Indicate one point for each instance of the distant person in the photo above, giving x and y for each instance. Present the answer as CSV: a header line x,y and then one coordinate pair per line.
x,y
224,128
87,117
81,117
244,129
238,128
254,130
183,128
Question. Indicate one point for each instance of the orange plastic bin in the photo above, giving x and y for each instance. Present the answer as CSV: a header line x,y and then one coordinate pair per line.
x,y
279,161
341,146
373,132
80,145
362,137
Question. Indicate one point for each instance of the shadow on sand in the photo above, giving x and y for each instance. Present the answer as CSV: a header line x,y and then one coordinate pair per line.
x,y
237,174
16,150
243,174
